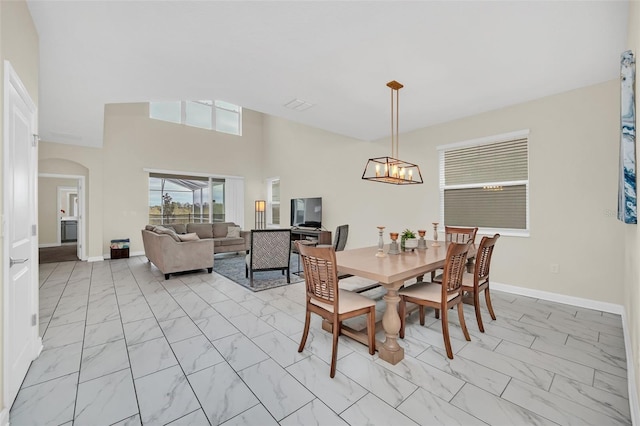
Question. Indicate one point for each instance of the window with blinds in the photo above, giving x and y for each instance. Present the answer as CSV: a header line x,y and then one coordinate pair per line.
x,y
485,183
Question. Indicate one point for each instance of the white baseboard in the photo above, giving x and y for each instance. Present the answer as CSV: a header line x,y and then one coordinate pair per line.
x,y
131,254
634,405
95,259
46,245
560,298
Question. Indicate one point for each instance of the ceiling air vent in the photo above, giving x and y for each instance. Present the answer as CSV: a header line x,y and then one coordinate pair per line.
x,y
298,105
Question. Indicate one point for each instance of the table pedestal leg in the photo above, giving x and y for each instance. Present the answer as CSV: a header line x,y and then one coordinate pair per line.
x,y
391,351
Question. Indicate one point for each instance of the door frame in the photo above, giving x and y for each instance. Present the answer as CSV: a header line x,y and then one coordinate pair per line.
x,y
82,226
11,79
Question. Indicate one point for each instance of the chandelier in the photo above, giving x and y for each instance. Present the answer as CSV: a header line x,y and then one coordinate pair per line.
x,y
391,169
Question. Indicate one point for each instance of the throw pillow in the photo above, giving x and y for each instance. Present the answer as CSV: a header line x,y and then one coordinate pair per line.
x,y
188,237
169,232
233,232
150,227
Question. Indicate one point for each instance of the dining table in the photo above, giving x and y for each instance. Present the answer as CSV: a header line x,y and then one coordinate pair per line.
x,y
391,271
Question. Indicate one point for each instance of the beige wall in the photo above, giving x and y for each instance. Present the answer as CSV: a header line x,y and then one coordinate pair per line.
x,y
573,194
134,142
48,212
632,232
19,45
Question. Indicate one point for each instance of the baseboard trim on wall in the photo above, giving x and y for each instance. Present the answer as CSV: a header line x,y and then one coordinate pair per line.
x,y
47,245
560,298
131,254
95,259
634,405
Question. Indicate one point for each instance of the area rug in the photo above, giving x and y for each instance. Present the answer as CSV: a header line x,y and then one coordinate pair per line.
x,y
232,267
63,253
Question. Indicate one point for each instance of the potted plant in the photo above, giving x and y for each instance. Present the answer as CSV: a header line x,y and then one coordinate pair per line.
x,y
407,234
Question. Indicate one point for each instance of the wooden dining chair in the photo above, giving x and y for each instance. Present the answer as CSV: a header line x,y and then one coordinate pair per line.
x,y
479,280
440,296
455,234
330,302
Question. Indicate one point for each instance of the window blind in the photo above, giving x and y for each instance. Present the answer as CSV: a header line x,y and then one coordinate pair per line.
x,y
486,185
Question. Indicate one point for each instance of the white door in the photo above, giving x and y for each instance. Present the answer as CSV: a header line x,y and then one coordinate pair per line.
x,y
21,341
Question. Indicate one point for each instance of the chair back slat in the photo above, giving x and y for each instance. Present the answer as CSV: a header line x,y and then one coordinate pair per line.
x,y
459,235
320,273
483,257
454,267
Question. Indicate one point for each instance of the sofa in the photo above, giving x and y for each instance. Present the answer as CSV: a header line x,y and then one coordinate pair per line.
x,y
171,255
224,240
186,247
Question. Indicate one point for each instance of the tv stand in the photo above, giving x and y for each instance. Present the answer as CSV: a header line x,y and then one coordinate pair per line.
x,y
317,235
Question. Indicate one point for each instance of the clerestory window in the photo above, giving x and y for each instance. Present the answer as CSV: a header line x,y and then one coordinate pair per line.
x,y
220,116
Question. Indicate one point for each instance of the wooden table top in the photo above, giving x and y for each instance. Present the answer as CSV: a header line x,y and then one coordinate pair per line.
x,y
363,262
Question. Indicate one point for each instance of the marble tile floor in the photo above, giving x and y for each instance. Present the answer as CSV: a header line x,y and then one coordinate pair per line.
x,y
122,346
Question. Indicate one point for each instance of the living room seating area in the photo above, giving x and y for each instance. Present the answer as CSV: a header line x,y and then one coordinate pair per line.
x,y
187,247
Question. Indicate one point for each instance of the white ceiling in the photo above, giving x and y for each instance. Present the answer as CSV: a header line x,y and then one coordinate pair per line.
x,y
455,58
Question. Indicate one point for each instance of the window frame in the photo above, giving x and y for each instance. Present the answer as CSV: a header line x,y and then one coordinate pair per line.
x,y
218,105
489,140
271,203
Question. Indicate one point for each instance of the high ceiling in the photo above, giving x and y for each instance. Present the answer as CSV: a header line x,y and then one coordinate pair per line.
x,y
454,58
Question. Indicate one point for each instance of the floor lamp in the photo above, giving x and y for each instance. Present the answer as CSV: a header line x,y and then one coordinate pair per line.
x,y
261,206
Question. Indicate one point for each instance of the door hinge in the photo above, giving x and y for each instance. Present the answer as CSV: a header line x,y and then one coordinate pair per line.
x,y
36,138
34,230
34,319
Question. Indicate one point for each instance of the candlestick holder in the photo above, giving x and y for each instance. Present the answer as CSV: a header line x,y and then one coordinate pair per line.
x,y
435,235
422,243
380,252
393,247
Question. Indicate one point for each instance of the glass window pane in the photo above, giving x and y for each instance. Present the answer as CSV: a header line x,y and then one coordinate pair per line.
x,y
166,111
184,199
275,191
198,114
217,198
227,106
227,121
275,214
494,207
155,207
498,162
155,184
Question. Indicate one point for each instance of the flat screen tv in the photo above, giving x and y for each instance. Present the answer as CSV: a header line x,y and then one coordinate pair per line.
x,y
306,212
